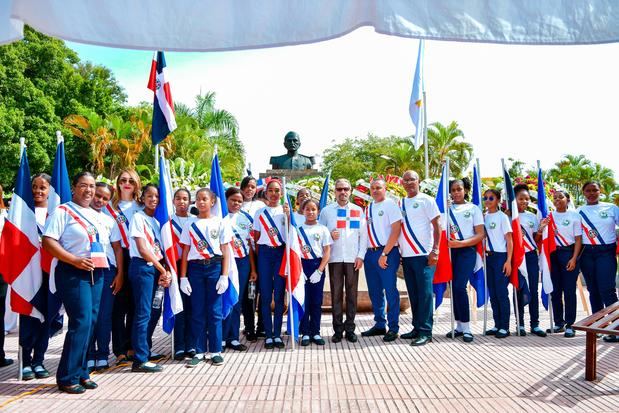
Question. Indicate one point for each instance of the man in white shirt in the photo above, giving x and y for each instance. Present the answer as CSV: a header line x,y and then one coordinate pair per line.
x,y
346,222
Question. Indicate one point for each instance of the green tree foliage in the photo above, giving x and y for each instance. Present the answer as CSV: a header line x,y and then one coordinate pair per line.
x,y
41,82
572,171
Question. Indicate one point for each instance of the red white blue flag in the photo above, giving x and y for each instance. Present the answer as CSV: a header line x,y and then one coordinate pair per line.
x,y
291,267
348,218
477,279
20,257
444,271
164,121
548,244
172,302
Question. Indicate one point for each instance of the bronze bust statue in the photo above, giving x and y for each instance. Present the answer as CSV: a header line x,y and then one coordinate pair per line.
x,y
293,159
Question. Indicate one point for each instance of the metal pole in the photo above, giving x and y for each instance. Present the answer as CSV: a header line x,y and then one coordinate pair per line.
x,y
425,137
484,260
515,296
20,357
539,168
288,280
157,158
448,233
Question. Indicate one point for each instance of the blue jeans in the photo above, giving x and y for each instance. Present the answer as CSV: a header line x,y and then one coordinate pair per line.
x,y
205,305
419,276
143,278
599,267
497,289
310,323
463,263
532,262
81,298
272,286
563,287
232,323
100,341
381,283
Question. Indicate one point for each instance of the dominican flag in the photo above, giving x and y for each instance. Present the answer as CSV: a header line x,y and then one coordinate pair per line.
x,y
477,279
293,269
164,121
172,302
20,257
519,265
324,195
548,244
231,296
415,107
348,218
444,272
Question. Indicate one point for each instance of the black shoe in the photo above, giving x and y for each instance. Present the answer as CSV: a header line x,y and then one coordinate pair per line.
x,y
491,332
411,335
40,372
538,332
336,338
611,339
73,389
555,329
421,341
390,336
190,353
569,333
88,384
501,334
521,332
269,345
467,337
319,341
351,336
237,347
5,362
194,362
374,331
305,341
217,360
27,373
278,343
146,368
179,356
261,334
251,337
155,357
456,334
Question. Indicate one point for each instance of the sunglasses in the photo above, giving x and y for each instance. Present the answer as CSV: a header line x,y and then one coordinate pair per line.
x,y
342,189
127,181
488,198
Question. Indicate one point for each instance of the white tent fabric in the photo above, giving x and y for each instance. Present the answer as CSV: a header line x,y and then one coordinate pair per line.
x,y
208,25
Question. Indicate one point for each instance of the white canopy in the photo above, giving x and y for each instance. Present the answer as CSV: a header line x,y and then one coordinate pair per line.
x,y
208,25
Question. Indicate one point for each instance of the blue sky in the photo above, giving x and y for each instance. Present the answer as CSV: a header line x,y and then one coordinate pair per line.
x,y
525,102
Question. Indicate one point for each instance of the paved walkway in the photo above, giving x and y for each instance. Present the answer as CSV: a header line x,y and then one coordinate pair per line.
x,y
511,375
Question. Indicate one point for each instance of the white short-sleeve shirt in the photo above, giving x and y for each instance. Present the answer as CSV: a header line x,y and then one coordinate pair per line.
x,y
198,232
417,235
497,226
251,207
599,222
380,216
123,215
316,237
271,235
467,217
568,227
242,228
114,236
143,226
530,225
178,223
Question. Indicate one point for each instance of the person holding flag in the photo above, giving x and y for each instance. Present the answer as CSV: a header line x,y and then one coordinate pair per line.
x,y
598,261
269,234
315,241
531,236
499,249
419,246
382,259
347,225
75,235
466,232
564,266
204,276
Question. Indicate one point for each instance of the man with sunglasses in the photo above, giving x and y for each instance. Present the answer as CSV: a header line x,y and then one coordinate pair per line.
x,y
346,223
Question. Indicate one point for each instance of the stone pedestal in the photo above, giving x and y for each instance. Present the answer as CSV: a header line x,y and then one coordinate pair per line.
x,y
290,174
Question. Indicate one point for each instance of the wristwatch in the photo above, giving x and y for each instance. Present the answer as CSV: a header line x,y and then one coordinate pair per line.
x,y
383,254
435,250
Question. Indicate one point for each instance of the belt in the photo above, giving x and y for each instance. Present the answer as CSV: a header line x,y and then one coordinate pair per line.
x,y
215,259
380,247
567,248
270,246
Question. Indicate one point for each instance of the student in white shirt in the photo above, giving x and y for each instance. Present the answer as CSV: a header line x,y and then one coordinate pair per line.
x,y
499,249
382,260
598,261
204,276
530,236
74,235
302,195
346,222
315,249
564,267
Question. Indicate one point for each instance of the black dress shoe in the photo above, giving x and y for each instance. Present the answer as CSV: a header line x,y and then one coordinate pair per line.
x,y
146,368
336,338
538,332
390,336
374,331
269,345
421,341
305,341
555,329
278,343
40,372
190,353
351,336
502,334
456,333
179,355
411,335
155,357
611,339
237,347
261,334
6,362
251,337
73,389
491,332
319,341
89,384
467,337
521,332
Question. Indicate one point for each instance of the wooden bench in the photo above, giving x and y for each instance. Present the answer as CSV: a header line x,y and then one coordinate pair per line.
x,y
605,321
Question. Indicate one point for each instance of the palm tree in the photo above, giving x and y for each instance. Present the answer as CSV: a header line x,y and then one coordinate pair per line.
x,y
572,171
214,121
448,142
96,132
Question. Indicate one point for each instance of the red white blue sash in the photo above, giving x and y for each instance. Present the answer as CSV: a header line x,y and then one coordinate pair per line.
x,y
200,242
306,247
122,222
97,253
591,231
454,227
238,245
529,244
267,223
152,240
559,239
408,233
372,237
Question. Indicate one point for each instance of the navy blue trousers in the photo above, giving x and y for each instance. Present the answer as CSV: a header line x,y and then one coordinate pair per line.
x,y
232,323
381,283
310,323
532,262
563,287
100,341
497,289
182,324
81,298
34,334
122,313
463,262
272,286
206,306
418,277
599,267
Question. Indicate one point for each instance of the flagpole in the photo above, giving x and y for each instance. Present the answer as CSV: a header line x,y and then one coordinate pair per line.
x,y
20,357
483,259
425,136
539,168
515,290
288,281
448,234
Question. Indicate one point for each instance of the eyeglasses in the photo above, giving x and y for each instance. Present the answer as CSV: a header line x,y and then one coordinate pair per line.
x,y
342,189
408,181
127,181
488,198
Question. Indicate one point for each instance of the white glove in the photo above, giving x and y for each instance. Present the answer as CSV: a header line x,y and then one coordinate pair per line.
x,y
315,277
222,284
185,286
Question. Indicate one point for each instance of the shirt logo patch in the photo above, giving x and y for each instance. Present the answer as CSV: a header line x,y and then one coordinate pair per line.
x,y
238,242
214,233
381,213
306,248
530,224
317,237
91,230
565,222
592,233
467,214
243,226
603,214
415,205
202,245
492,225
454,229
272,232
121,219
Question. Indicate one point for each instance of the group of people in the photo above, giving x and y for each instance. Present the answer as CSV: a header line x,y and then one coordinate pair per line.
x,y
111,272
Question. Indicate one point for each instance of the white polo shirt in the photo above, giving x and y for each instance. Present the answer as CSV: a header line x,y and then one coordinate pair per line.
x,y
241,228
272,231
530,225
467,217
568,226
147,228
123,215
198,232
599,222
114,236
313,238
497,226
380,216
417,235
